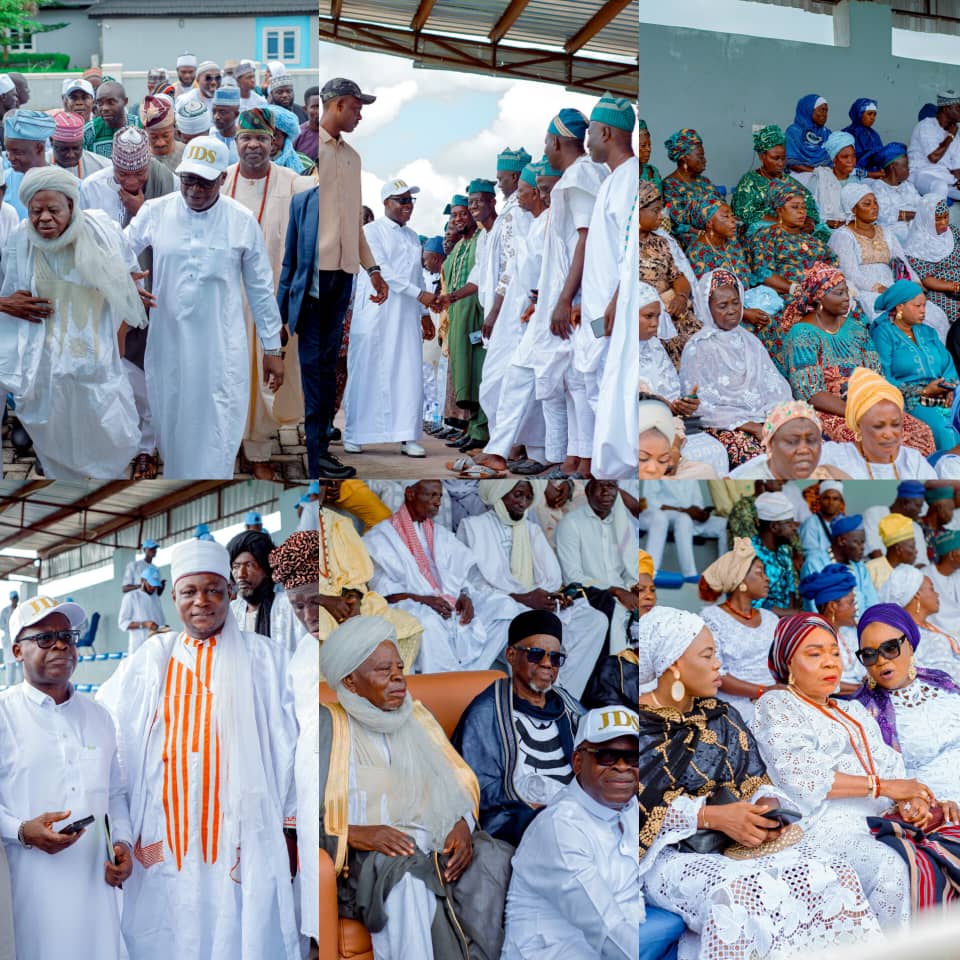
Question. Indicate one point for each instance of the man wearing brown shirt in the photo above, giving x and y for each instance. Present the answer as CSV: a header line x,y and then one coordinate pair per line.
x,y
341,252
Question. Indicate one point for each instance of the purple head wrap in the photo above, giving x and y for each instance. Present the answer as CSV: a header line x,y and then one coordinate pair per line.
x,y
877,699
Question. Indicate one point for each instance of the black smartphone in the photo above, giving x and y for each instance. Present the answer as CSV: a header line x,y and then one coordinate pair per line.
x,y
76,826
783,816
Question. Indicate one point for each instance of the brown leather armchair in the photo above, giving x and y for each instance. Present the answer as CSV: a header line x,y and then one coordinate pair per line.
x,y
446,696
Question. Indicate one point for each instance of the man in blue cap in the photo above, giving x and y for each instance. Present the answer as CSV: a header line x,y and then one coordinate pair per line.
x,y
25,135
909,502
140,610
543,367
135,569
253,521
609,142
847,541
202,532
14,669
224,110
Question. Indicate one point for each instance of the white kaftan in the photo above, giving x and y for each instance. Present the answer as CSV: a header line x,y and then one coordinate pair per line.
x,y
584,628
891,201
602,262
61,757
948,590
202,264
66,375
230,898
575,889
930,177
494,248
803,750
138,606
447,644
742,650
384,395
285,628
909,465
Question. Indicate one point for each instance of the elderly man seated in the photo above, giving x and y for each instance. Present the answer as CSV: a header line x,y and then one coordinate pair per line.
x,y
422,568
398,807
517,735
521,570
575,889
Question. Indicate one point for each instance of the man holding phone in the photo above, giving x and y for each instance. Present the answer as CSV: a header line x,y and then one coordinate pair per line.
x,y
59,780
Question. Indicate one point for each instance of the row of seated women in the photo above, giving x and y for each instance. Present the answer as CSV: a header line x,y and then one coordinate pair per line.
x,y
783,808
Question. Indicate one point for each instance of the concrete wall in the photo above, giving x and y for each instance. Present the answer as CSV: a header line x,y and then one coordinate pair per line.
x,y
80,39
723,84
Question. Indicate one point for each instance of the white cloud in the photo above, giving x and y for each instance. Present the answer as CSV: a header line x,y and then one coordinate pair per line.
x,y
436,189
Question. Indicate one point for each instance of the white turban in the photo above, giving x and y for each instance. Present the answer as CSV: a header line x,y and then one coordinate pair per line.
x,y
654,415
775,506
186,60
350,644
835,485
199,556
664,635
901,586
852,194
6,84
492,493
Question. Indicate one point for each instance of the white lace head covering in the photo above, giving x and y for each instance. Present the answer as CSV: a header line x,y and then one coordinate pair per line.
x,y
664,635
648,294
902,585
922,241
852,194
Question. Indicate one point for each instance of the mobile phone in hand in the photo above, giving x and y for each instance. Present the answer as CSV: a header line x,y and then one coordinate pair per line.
x,y
76,826
597,327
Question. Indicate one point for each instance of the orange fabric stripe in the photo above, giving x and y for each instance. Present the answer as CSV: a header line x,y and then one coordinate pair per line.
x,y
195,742
205,760
166,756
216,799
177,708
188,718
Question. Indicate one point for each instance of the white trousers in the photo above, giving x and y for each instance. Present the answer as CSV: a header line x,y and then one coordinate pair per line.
x,y
520,418
658,524
937,181
138,382
410,909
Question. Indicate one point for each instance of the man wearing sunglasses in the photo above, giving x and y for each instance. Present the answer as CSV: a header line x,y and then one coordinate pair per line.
x,y
384,396
575,889
58,765
517,735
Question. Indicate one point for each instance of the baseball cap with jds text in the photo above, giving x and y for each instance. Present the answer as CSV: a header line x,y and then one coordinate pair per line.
x,y
607,723
207,157
396,188
36,608
341,87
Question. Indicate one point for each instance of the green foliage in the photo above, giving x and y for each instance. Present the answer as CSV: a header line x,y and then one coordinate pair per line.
x,y
16,15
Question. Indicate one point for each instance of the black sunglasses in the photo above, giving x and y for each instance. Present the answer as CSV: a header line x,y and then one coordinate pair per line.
x,y
609,756
889,649
46,640
536,654
404,201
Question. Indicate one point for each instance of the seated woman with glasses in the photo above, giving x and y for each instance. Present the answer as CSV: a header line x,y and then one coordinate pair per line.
x,y
918,709
705,791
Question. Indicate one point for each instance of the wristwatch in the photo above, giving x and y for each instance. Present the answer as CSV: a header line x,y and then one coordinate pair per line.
x,y
23,843
372,270
273,353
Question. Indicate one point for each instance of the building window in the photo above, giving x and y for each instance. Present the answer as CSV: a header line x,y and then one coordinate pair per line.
x,y
20,41
282,43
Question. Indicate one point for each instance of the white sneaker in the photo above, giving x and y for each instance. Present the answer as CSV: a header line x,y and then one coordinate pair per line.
x,y
352,447
412,449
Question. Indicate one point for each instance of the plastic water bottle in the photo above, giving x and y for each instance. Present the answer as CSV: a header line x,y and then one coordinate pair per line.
x,y
435,418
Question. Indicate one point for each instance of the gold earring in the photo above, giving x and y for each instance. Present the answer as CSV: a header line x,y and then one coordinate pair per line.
x,y
677,690
871,683
790,682
918,606
742,588
912,672
898,315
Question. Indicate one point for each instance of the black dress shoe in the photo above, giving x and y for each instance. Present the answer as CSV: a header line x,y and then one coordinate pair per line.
x,y
469,443
456,440
331,468
335,436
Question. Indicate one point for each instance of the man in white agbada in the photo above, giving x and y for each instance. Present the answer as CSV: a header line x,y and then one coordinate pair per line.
x,y
575,889
140,610
504,324
609,136
384,395
521,570
422,568
207,756
543,367
66,373
13,669
934,152
391,787
58,766
207,251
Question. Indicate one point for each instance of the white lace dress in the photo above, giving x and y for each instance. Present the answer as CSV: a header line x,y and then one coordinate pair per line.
x,y
742,650
803,750
928,728
786,904
936,653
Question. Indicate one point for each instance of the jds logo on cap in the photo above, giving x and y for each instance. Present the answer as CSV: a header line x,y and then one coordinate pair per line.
x,y
202,154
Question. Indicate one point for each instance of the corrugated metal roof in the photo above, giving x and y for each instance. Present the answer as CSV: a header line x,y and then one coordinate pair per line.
x,y
210,8
74,526
584,44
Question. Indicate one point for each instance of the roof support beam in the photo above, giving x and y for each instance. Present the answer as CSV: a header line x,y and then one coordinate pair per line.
x,y
605,15
422,15
507,20
336,9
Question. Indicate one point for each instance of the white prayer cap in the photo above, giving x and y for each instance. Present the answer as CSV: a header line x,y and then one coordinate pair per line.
x,y
199,556
394,188
77,83
350,644
664,635
835,485
775,506
607,723
901,586
186,60
207,66
276,68
6,84
36,608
